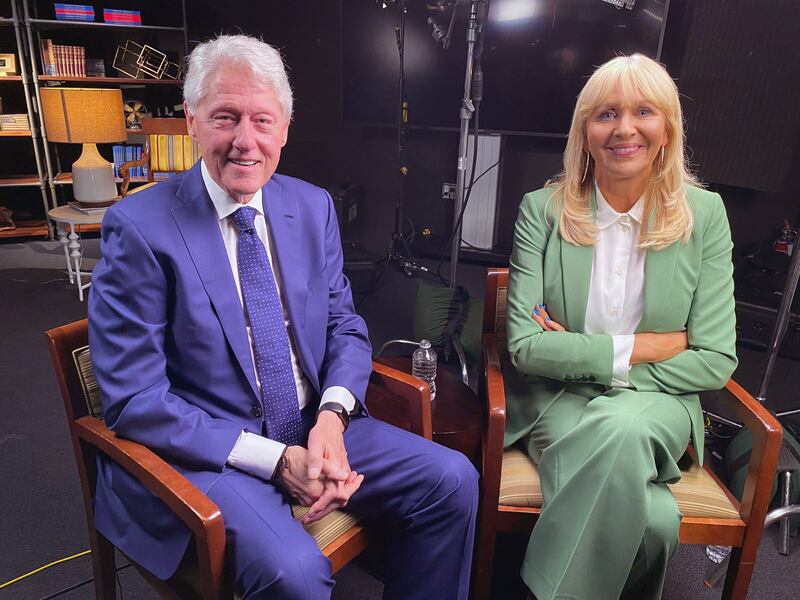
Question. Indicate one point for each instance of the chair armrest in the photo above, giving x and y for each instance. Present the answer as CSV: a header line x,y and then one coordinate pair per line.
x,y
495,398
767,437
191,506
124,170
400,399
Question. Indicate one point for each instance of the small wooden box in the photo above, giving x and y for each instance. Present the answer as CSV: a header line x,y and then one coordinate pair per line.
x,y
8,64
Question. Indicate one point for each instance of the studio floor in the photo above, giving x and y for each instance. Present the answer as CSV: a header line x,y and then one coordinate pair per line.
x,y
41,504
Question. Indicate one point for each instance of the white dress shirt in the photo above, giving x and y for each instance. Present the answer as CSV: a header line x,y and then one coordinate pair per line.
x,y
253,453
616,293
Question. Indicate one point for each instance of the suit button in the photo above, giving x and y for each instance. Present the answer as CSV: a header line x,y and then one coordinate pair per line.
x,y
256,411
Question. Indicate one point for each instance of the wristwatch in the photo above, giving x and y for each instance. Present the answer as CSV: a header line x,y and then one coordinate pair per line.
x,y
338,409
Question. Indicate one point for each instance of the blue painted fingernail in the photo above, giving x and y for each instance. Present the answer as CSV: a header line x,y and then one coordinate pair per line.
x,y
545,306
547,318
536,310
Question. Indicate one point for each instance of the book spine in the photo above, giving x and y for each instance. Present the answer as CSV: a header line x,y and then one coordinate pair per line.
x,y
58,52
48,57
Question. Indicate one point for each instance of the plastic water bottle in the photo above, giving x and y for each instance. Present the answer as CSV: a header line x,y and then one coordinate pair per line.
x,y
423,365
717,553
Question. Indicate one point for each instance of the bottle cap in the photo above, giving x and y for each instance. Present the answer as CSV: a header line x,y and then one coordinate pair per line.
x,y
424,344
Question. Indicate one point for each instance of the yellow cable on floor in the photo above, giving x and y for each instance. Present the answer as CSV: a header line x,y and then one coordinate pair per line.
x,y
47,566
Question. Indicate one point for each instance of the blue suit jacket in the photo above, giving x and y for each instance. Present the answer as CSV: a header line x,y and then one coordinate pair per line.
x,y
169,342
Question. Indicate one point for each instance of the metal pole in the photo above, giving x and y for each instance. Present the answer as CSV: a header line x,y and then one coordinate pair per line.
x,y
35,77
467,108
782,322
32,114
402,120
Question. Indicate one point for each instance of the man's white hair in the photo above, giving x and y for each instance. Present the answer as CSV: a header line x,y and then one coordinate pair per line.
x,y
264,61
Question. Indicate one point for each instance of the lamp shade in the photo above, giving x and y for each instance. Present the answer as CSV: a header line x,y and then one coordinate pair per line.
x,y
83,115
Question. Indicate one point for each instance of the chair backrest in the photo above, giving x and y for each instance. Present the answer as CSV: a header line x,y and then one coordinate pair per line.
x,y
70,355
494,308
73,368
170,147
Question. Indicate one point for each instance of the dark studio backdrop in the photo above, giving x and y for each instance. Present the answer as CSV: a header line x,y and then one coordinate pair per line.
x,y
734,62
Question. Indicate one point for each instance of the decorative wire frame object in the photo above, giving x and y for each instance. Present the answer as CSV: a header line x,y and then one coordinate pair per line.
x,y
172,71
152,62
137,61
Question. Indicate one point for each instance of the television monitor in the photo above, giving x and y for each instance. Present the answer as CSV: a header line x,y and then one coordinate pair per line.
x,y
536,56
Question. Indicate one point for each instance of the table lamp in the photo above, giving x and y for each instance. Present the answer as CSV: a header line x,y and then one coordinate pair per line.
x,y
86,116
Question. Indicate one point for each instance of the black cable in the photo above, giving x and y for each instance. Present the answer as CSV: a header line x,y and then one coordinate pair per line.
x,y
489,168
84,582
68,589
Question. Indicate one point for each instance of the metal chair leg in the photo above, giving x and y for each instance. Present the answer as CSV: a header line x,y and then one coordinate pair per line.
x,y
773,516
786,488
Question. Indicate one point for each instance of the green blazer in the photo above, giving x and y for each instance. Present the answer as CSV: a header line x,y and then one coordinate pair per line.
x,y
686,286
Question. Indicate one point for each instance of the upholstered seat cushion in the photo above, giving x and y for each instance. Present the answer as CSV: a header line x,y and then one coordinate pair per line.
x,y
330,527
697,493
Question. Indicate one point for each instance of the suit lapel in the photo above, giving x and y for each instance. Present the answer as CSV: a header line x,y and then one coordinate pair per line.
x,y
576,271
281,212
197,222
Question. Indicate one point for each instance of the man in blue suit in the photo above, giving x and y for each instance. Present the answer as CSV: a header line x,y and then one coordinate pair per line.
x,y
224,338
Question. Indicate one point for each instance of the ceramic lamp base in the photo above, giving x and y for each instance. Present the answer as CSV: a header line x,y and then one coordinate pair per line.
x,y
93,178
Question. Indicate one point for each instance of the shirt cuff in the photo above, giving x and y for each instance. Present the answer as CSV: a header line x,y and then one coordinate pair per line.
x,y
340,395
623,348
256,455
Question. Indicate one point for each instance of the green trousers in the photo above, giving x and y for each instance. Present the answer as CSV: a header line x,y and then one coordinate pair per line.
x,y
609,524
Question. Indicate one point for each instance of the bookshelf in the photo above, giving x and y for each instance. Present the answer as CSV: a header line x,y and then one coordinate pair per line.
x,y
47,24
17,191
164,28
111,80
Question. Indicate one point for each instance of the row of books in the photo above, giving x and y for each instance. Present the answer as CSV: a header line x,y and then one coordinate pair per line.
x,y
58,59
122,17
14,122
85,12
125,153
74,12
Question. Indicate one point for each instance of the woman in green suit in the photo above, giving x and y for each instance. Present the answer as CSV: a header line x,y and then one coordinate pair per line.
x,y
620,310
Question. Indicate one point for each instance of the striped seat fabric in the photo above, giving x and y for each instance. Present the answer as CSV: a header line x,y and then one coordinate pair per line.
x,y
697,493
329,527
172,153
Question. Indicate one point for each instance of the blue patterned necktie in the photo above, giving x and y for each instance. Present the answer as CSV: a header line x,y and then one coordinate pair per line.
x,y
270,338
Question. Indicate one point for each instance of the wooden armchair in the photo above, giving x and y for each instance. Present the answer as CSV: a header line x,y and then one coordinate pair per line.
x,y
167,149
511,496
392,396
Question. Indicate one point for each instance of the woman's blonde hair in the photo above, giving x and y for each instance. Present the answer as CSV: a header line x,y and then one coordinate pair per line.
x,y
667,214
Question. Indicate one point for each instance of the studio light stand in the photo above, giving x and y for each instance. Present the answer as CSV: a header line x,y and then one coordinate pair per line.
x,y
473,75
398,253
